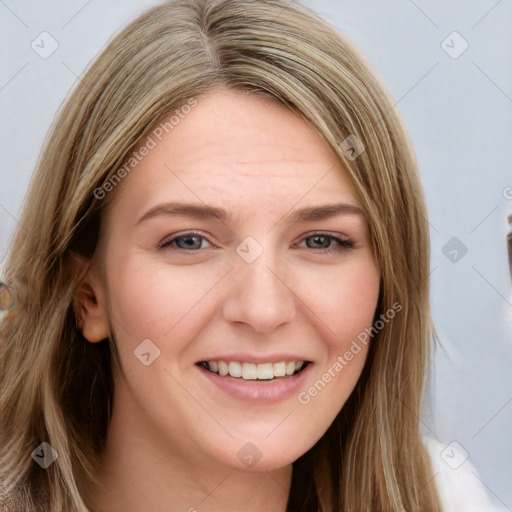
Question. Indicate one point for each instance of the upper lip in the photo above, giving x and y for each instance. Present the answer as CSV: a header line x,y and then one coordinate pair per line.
x,y
256,358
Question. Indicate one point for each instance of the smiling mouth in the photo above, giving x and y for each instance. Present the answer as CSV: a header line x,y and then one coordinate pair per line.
x,y
254,371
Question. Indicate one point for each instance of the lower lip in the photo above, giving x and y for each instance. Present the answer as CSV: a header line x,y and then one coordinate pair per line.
x,y
263,391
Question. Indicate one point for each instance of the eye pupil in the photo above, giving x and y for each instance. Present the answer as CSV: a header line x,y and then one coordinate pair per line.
x,y
189,242
319,241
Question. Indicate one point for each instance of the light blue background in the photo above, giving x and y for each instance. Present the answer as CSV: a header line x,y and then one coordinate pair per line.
x,y
459,114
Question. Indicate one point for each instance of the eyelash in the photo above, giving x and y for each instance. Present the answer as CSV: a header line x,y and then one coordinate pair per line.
x,y
166,242
343,243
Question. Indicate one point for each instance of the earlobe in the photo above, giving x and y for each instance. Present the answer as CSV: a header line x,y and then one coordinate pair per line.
x,y
90,310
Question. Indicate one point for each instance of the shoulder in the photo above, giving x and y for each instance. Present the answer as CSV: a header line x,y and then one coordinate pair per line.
x,y
458,484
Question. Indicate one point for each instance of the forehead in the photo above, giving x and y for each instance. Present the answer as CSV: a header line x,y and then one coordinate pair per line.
x,y
236,150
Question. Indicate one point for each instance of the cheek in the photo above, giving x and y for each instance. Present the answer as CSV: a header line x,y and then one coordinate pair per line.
x,y
345,299
150,299
356,302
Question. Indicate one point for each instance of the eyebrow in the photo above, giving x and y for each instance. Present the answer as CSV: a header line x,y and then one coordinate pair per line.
x,y
322,212
205,212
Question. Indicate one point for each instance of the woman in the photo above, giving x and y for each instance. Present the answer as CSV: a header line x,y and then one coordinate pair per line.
x,y
222,280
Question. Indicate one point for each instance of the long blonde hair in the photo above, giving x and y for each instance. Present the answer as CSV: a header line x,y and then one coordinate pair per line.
x,y
58,388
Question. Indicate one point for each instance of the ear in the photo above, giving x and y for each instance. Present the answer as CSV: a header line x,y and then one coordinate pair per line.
x,y
90,306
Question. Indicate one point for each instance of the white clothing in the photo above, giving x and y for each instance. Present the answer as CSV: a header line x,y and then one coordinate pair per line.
x,y
458,484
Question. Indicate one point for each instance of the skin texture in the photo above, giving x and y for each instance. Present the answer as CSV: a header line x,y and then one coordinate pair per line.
x,y
174,436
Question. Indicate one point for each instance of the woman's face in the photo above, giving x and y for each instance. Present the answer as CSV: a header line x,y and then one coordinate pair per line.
x,y
236,245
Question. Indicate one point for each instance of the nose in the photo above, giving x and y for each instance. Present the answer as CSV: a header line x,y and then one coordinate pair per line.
x,y
259,297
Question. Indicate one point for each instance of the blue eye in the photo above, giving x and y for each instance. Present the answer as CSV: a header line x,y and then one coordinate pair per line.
x,y
320,243
185,241
327,243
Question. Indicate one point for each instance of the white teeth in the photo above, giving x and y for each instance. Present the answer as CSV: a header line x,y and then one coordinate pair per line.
x,y
235,369
223,368
253,371
279,369
249,371
265,371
